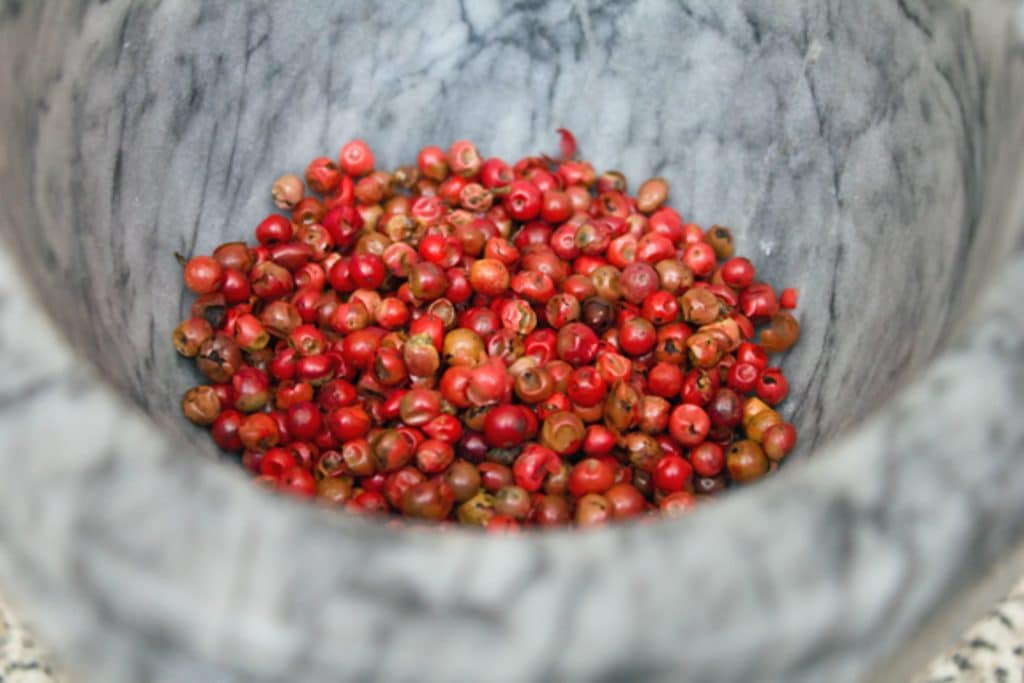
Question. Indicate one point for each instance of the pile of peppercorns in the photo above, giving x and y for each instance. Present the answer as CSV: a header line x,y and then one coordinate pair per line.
x,y
462,339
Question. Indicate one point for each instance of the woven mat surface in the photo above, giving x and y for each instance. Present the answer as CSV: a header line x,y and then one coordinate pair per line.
x,y
22,659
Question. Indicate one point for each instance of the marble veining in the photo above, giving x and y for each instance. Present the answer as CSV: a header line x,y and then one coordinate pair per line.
x,y
863,152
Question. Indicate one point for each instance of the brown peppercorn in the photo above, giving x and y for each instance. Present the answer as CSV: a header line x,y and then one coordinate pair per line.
x,y
201,405
550,510
534,385
334,491
219,358
463,479
280,318
746,461
611,181
756,426
607,282
597,313
699,306
651,195
726,332
709,485
704,350
260,359
558,483
308,211
478,510
406,176
562,432
593,509
752,407
210,307
190,335
287,191
234,255
674,276
622,407
513,501
778,440
720,239
643,451
644,482
783,333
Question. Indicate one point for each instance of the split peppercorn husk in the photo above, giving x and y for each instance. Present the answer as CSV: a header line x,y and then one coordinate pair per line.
x,y
467,341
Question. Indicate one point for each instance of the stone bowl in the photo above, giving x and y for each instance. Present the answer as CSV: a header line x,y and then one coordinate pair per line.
x,y
865,152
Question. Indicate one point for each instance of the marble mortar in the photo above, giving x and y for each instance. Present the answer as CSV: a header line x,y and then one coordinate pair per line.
x,y
866,152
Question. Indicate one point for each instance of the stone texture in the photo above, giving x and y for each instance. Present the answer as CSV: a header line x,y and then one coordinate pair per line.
x,y
865,152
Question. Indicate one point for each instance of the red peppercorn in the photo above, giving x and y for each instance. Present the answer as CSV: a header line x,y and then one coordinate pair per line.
x,y
322,175
677,503
772,386
672,473
259,432
432,163
463,159
276,462
203,274
689,424
250,389
738,272
489,383
591,475
523,201
758,301
298,482
495,173
577,344
753,354
495,476
652,248
445,428
225,430
614,367
700,258
235,286
533,464
586,386
433,456
665,380
355,158
304,420
348,422
660,307
637,336
788,298
556,207
274,229
367,270
599,440
743,377
508,316
507,426
707,459
639,280
419,406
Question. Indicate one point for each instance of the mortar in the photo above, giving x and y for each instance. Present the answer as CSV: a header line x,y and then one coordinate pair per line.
x,y
866,153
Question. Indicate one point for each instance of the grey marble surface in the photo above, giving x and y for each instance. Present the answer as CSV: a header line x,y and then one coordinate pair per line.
x,y
865,152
